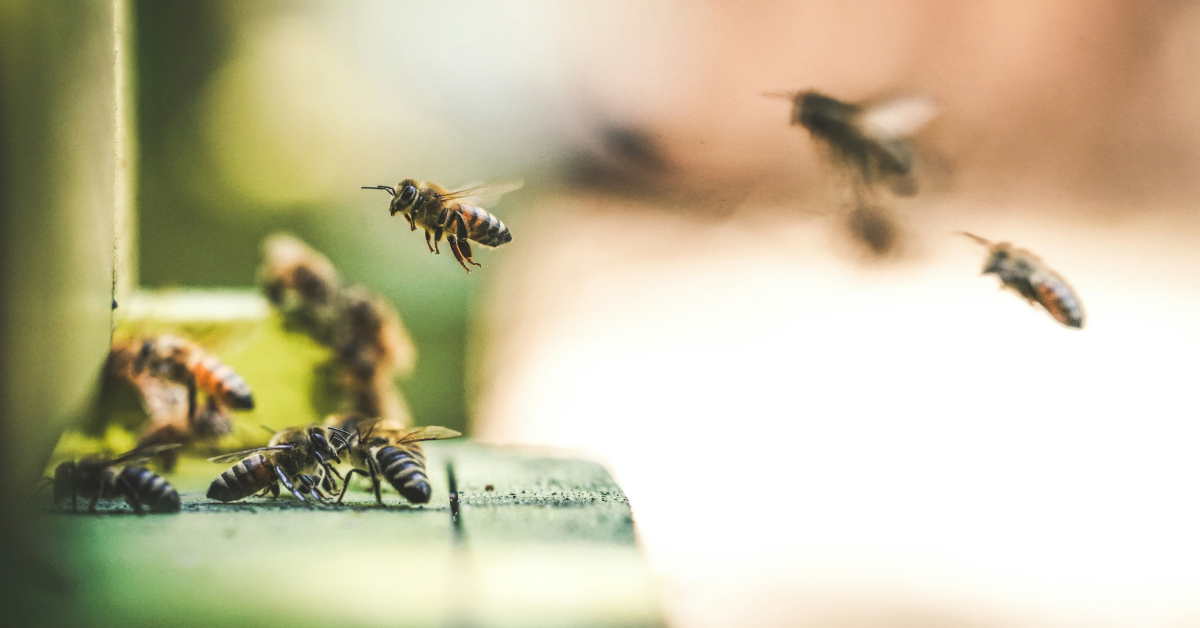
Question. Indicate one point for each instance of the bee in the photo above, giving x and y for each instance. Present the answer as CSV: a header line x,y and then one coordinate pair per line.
x,y
104,477
302,283
174,359
1029,277
439,211
379,449
869,137
291,458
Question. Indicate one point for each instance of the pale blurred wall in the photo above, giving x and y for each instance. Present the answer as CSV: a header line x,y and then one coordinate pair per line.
x,y
65,181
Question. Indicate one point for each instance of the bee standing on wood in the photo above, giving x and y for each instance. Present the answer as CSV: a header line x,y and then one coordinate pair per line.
x,y
1028,276
378,449
103,477
439,211
291,457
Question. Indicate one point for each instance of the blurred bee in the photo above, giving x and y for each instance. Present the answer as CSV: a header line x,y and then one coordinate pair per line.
x,y
1028,276
302,284
379,449
439,211
869,137
291,458
104,477
176,360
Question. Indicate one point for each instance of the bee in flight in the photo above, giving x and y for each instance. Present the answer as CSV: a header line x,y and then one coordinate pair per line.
x,y
291,458
455,214
870,137
384,449
104,477
1029,277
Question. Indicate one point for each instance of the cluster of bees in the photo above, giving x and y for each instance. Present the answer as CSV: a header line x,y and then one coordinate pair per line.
x,y
867,141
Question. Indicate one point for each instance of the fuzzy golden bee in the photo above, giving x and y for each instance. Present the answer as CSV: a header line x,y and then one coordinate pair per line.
x,y
455,214
384,449
870,137
300,458
174,359
1026,274
100,477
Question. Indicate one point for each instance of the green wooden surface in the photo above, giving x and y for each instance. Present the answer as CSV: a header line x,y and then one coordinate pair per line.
x,y
552,545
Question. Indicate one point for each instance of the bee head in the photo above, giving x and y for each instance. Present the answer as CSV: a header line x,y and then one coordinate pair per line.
x,y
64,477
405,198
996,262
818,113
322,446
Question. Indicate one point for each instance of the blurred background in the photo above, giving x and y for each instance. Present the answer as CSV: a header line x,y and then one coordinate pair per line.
x,y
808,433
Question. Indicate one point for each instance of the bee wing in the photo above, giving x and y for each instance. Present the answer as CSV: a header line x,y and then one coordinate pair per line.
x,y
238,455
429,432
896,117
483,195
161,399
142,453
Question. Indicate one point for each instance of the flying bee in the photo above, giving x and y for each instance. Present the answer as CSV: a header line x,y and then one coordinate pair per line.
x,y
869,137
291,458
379,449
440,211
104,477
1028,276
176,360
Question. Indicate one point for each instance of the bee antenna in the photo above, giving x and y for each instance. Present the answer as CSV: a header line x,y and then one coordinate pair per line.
x,y
390,190
983,241
269,429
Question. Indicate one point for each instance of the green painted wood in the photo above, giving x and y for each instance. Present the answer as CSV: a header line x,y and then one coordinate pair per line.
x,y
552,545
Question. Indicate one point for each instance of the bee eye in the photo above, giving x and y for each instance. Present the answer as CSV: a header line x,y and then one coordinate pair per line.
x,y
408,195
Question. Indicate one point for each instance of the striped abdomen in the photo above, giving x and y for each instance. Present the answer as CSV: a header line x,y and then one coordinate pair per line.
x,y
405,469
154,493
1059,300
483,227
242,479
219,380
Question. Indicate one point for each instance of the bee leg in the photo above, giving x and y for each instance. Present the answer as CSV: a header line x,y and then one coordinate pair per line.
x,y
375,473
274,488
464,245
412,224
288,483
95,499
437,238
131,495
346,482
428,242
457,253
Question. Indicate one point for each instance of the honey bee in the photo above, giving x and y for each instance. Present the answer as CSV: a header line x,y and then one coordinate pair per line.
x,y
379,449
869,137
176,360
291,458
302,284
104,477
1028,276
440,211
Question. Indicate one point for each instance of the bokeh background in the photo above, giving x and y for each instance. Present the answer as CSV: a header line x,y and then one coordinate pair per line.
x,y
808,434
